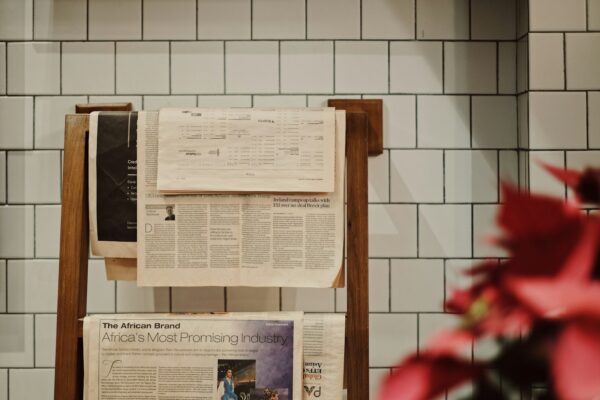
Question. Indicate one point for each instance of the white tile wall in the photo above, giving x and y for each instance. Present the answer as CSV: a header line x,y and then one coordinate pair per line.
x,y
451,118
278,19
80,60
59,19
34,68
361,67
197,67
32,286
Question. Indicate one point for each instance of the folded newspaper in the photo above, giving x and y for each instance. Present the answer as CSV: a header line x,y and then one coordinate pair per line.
x,y
237,240
231,356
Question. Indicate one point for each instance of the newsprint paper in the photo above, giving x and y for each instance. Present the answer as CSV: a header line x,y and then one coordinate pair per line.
x,y
159,368
112,187
246,150
237,240
237,356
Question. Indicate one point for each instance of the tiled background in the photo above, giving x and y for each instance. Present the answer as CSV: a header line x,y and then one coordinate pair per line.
x,y
474,90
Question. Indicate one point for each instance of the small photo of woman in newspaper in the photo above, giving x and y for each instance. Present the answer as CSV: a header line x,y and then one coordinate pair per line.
x,y
235,379
228,386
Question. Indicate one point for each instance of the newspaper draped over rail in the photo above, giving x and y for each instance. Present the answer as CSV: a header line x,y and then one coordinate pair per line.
x,y
112,188
201,357
237,240
246,150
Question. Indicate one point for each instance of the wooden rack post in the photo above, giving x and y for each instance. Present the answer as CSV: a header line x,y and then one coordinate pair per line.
x,y
363,137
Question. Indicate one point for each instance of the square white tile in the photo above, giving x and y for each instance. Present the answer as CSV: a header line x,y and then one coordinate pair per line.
x,y
31,384
115,19
252,299
158,102
60,19
47,231
142,67
252,67
333,19
173,20
432,324
16,123
2,286
379,178
583,60
16,232
385,19
540,181
442,19
594,119
361,67
416,67
593,10
34,176
485,228
392,337
191,299
399,120
45,340
470,67
224,19
308,299
225,101
418,285
16,332
16,20
509,167
307,67
279,101
557,120
32,286
457,276
33,68
2,68
445,230
546,61
278,19
557,15
197,67
417,176
443,121
379,288
392,230
2,177
494,20
507,68
471,176
494,122
376,377
50,119
133,299
102,293
80,60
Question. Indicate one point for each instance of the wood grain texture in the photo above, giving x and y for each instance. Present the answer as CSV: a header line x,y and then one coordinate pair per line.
x,y
357,321
73,264
90,107
374,110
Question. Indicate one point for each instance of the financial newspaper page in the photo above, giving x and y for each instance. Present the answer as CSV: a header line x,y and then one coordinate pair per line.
x,y
112,183
244,356
237,240
324,336
246,150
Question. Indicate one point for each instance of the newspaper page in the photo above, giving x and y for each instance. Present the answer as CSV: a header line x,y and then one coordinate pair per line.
x,y
112,183
243,356
237,240
324,338
246,150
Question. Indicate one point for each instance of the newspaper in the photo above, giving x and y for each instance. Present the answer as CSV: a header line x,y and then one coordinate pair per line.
x,y
112,183
246,150
324,336
244,356
237,240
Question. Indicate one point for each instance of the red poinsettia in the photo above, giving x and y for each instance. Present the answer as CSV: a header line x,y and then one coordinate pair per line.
x,y
546,290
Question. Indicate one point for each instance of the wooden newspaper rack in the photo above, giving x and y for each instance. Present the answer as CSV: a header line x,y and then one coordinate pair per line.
x,y
364,137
